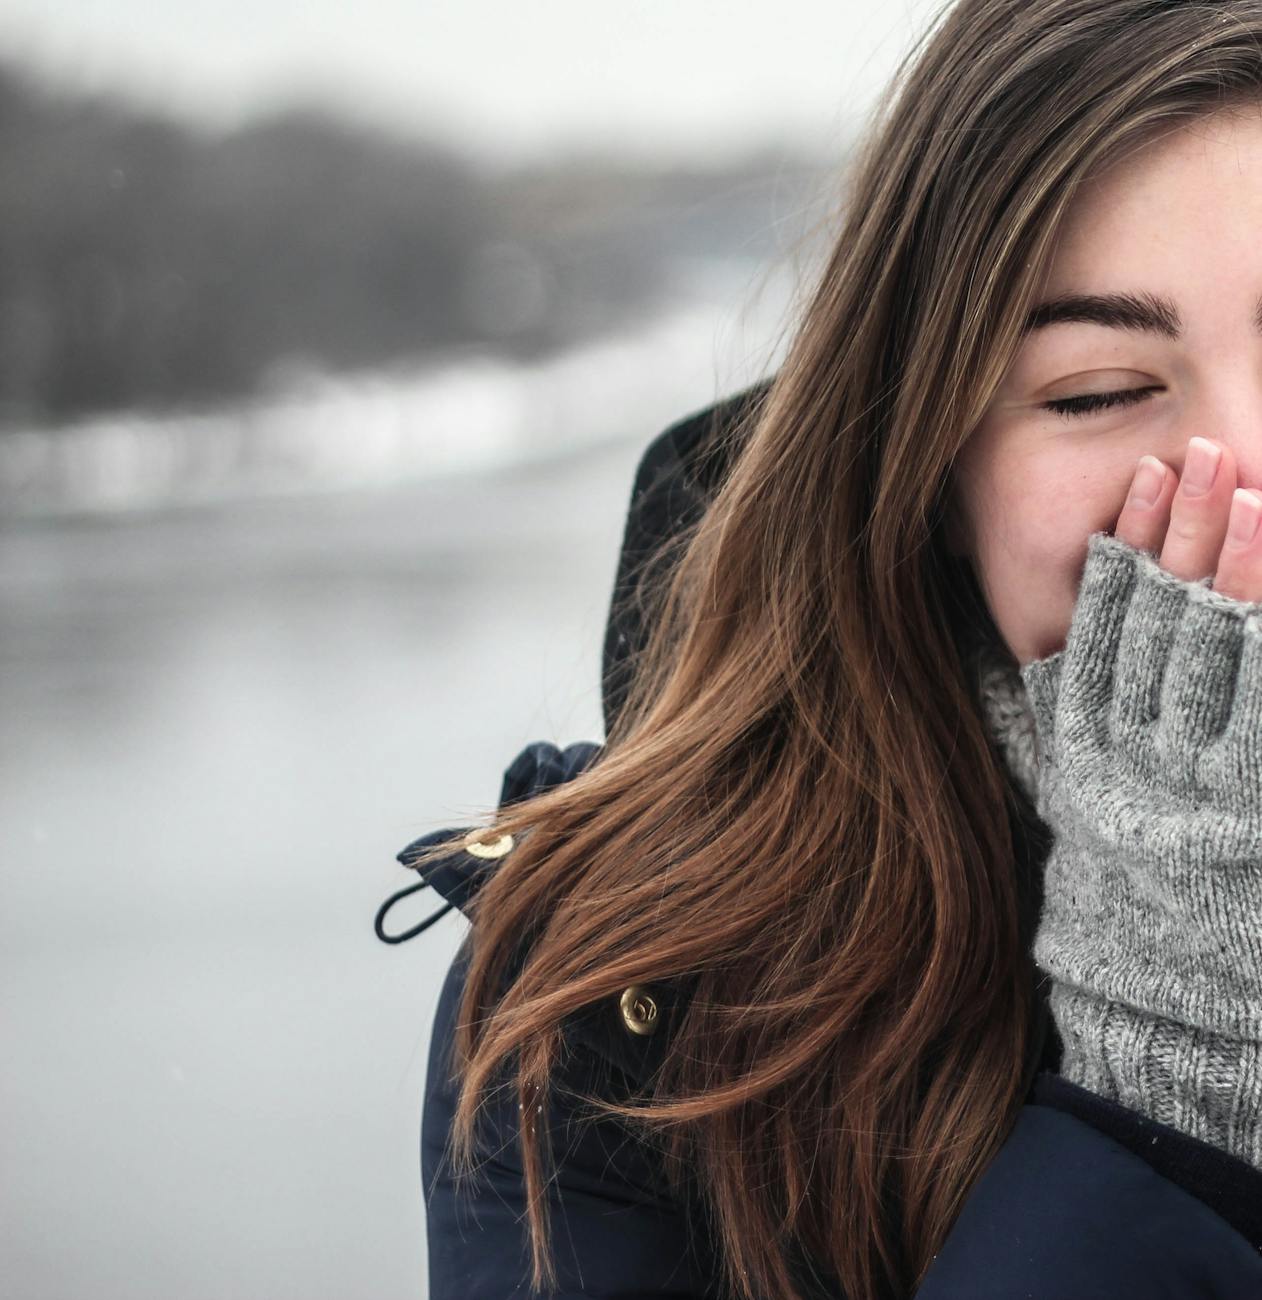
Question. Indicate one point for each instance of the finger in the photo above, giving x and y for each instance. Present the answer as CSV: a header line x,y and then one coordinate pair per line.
x,y
1156,609
1198,513
1240,564
1108,581
1236,763
1146,514
1194,706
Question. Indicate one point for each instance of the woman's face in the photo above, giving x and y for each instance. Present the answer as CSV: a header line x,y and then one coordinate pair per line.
x,y
1177,229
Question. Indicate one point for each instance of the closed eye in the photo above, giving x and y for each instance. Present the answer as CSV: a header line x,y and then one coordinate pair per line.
x,y
1089,403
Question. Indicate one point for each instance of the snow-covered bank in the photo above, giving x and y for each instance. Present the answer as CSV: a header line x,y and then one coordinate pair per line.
x,y
466,413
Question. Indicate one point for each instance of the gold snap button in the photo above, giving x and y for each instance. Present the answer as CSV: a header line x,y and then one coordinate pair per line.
x,y
495,848
639,1010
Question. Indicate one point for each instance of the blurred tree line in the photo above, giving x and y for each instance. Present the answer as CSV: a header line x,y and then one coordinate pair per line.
x,y
145,264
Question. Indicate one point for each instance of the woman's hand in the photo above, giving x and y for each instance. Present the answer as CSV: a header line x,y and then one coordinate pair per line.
x,y
1203,526
1149,729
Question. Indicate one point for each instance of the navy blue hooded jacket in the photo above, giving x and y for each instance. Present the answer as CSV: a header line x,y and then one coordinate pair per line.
x,y
1084,1199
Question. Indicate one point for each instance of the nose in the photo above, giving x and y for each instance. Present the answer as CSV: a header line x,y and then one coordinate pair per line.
x,y
1248,463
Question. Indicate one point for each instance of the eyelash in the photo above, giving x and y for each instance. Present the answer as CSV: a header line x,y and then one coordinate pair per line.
x,y
1089,403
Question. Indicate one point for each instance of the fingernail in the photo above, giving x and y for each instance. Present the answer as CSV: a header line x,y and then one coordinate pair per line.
x,y
1200,467
1146,486
1242,523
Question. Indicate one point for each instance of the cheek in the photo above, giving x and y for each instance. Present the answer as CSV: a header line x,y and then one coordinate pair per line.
x,y
1030,581
1046,503
1062,505
1031,534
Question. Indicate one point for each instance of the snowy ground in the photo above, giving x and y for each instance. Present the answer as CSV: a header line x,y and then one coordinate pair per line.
x,y
451,415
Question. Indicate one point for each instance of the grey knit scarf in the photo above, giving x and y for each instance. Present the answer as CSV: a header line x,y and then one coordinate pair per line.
x,y
1140,744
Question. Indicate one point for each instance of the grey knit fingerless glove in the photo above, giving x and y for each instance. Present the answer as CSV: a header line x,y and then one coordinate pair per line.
x,y
1149,740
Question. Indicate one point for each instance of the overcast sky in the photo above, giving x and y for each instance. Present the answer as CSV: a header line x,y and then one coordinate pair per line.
x,y
508,78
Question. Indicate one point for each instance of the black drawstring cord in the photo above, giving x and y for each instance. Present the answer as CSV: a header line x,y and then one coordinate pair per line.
x,y
540,766
380,920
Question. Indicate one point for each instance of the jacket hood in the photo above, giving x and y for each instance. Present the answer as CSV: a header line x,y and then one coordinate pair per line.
x,y
677,476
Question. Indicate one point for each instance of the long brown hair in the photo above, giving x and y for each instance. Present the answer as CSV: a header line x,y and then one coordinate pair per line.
x,y
798,808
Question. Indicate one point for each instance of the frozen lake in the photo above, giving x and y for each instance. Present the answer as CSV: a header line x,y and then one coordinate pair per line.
x,y
247,657
220,725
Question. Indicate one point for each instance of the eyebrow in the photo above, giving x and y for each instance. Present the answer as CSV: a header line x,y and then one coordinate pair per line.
x,y
1146,312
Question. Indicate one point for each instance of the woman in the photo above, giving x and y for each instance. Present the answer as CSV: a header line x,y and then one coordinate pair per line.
x,y
937,713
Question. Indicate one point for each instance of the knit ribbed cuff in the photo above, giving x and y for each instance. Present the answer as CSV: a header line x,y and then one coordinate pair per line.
x,y
1203,1084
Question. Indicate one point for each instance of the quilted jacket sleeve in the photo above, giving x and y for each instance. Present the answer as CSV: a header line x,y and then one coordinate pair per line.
x,y
615,1230
1064,1212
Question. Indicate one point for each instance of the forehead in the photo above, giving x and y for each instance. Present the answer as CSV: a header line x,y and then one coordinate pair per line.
x,y
1187,200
